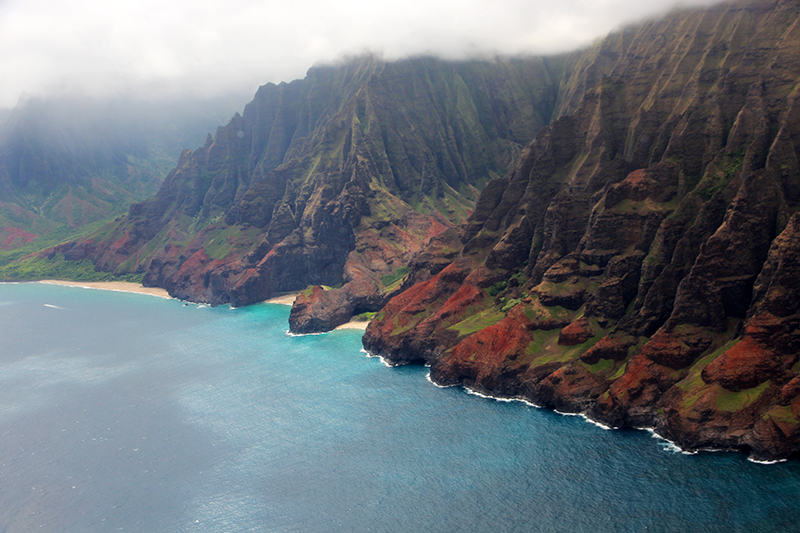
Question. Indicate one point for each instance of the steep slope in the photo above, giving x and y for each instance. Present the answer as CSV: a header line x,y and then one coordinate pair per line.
x,y
331,180
639,264
67,161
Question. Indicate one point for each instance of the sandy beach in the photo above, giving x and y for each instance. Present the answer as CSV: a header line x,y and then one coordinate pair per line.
x,y
354,324
124,286
283,299
121,286
288,299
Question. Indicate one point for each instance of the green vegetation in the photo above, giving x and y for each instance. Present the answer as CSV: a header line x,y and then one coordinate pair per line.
x,y
620,371
479,321
714,182
395,276
510,304
53,237
308,291
736,401
539,311
497,288
783,415
22,264
542,338
692,383
603,365
33,268
222,240
693,379
574,352
369,315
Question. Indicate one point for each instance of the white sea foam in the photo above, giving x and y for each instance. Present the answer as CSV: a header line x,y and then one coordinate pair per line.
x,y
505,399
671,447
290,334
385,362
51,306
587,419
598,424
766,462
527,402
668,445
430,380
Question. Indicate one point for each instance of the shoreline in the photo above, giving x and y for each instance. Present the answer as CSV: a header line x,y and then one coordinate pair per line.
x,y
669,446
138,288
283,299
289,298
119,286
353,324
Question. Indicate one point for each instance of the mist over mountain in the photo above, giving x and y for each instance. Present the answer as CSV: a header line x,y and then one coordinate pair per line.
x,y
335,178
149,47
66,162
4,115
640,263
612,231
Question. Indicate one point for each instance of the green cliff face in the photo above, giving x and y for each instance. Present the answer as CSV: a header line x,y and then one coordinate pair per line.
x,y
334,179
632,253
629,266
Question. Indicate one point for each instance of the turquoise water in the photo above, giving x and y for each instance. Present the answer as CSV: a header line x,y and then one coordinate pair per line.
x,y
125,412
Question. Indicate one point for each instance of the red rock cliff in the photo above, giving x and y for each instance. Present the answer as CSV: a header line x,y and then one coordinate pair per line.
x,y
640,264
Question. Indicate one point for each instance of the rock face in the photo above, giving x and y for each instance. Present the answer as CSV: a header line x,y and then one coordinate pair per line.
x,y
632,255
640,263
333,180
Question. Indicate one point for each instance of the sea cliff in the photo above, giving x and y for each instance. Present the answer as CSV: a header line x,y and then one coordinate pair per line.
x,y
612,232
639,265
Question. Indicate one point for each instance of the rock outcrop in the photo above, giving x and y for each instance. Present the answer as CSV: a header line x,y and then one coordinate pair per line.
x,y
333,180
640,263
632,255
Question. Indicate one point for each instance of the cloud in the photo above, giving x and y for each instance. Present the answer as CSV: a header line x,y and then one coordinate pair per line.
x,y
204,46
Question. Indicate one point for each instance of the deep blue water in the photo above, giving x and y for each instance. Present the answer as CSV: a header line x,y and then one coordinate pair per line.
x,y
135,413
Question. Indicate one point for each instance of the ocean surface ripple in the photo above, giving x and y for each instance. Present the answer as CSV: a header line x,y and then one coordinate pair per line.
x,y
125,412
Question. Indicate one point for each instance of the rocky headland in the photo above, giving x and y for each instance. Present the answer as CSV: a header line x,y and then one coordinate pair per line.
x,y
612,232
640,263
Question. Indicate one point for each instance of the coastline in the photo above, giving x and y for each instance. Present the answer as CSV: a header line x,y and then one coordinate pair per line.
x,y
283,299
138,288
288,299
354,324
119,286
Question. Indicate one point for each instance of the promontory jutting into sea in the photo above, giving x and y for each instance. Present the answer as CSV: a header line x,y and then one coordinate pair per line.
x,y
611,232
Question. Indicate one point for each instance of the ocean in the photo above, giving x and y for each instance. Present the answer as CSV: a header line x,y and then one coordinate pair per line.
x,y
127,412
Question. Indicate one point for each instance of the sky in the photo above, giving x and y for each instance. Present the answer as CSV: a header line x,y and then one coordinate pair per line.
x,y
205,47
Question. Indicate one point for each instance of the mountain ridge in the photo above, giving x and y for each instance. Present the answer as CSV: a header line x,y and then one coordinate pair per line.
x,y
334,179
618,271
632,254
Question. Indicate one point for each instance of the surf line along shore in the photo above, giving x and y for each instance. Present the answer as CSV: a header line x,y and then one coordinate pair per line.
x,y
127,286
